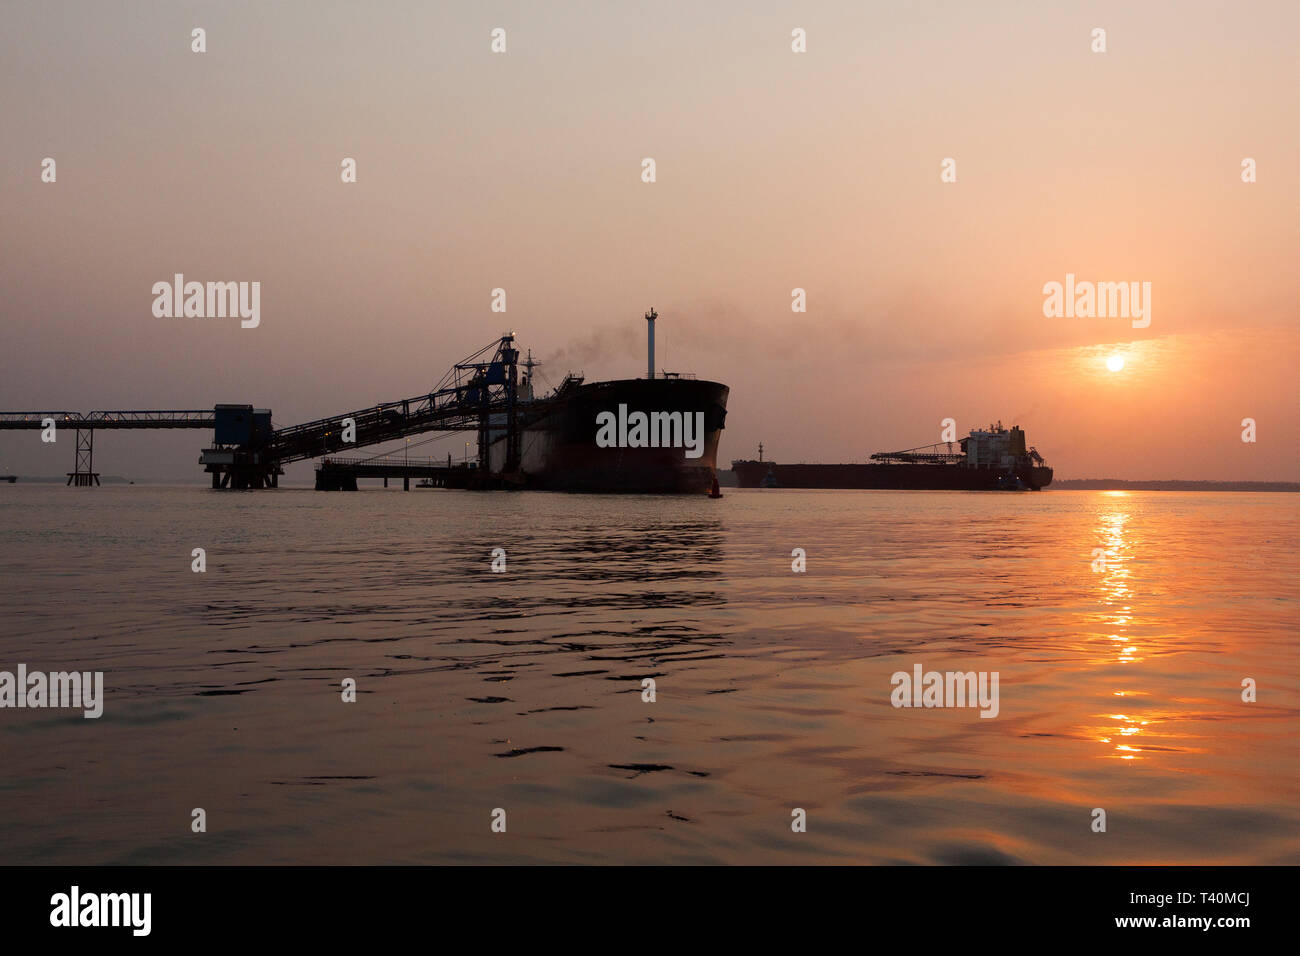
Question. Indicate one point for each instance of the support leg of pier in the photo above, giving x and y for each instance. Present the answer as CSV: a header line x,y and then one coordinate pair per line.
x,y
84,475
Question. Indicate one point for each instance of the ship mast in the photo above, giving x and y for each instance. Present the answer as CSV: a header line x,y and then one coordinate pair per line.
x,y
529,365
650,342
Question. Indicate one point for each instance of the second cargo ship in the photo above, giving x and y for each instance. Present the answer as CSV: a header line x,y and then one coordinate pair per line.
x,y
989,459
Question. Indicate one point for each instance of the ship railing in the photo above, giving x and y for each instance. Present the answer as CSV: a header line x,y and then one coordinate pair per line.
x,y
394,459
905,458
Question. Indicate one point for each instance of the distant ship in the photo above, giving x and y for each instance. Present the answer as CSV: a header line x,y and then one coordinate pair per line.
x,y
989,459
561,447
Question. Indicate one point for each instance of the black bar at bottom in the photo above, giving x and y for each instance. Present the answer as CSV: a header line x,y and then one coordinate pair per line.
x,y
978,906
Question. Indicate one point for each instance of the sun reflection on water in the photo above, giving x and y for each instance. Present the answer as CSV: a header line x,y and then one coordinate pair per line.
x,y
1116,596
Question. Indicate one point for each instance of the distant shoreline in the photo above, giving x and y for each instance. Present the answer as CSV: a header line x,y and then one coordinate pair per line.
x,y
727,479
1121,484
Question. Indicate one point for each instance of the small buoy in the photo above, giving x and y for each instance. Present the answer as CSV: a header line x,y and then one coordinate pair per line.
x,y
714,492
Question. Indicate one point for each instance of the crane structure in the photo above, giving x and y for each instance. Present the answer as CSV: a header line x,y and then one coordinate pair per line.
x,y
925,454
480,394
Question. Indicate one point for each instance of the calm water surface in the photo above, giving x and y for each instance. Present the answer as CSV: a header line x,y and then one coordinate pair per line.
x,y
1119,689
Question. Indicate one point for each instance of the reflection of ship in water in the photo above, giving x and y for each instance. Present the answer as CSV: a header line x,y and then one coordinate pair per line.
x,y
633,555
989,459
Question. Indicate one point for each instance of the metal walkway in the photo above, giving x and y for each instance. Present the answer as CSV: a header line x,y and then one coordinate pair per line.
x,y
84,474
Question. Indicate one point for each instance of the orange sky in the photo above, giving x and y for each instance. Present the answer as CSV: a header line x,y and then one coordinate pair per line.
x,y
775,170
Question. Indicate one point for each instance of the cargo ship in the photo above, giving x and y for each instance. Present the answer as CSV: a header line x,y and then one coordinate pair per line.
x,y
989,459
655,435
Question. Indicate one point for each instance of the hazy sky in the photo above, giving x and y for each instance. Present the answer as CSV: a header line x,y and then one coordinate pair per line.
x,y
775,170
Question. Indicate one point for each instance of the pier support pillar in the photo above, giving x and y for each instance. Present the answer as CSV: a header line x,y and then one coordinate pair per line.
x,y
84,475
240,472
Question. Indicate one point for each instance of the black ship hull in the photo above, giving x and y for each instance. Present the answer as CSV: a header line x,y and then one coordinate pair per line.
x,y
559,450
763,474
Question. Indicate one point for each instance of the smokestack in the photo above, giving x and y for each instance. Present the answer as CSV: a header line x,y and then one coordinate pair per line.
x,y
650,342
